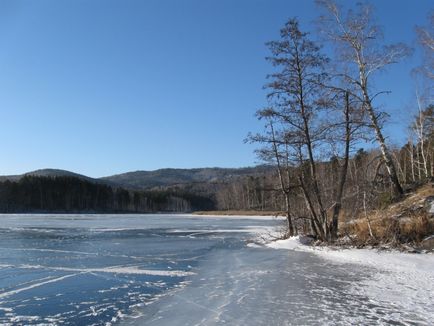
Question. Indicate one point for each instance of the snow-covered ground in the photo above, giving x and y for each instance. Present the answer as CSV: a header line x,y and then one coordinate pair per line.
x,y
403,279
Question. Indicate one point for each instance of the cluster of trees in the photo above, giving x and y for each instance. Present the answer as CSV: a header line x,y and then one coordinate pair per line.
x,y
249,193
321,108
71,194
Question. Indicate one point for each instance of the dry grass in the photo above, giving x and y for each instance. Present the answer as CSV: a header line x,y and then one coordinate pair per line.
x,y
392,230
406,221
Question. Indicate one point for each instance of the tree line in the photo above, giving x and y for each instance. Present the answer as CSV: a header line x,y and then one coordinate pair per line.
x,y
321,108
71,194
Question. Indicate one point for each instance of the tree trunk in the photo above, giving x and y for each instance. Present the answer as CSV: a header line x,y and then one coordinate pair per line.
x,y
390,166
420,124
343,176
413,175
308,143
419,173
283,188
316,224
288,216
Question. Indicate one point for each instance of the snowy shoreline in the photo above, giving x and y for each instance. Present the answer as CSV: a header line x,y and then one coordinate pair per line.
x,y
231,216
401,279
388,260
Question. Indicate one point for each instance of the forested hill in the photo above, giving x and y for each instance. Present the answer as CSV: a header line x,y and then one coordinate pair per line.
x,y
47,173
172,177
68,194
155,179
165,190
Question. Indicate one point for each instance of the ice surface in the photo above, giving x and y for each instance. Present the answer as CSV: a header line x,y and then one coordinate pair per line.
x,y
100,269
185,270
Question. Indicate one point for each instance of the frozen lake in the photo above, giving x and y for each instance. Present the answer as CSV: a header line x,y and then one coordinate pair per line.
x,y
172,270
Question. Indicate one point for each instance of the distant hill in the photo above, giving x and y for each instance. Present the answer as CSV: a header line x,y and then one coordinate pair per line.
x,y
49,173
162,178
174,190
176,177
56,193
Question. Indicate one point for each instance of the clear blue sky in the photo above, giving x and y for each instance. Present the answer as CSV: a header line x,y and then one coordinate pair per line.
x,y
102,87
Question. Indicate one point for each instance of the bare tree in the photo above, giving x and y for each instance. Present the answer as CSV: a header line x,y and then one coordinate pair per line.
x,y
347,125
358,40
426,39
423,129
419,128
275,151
422,126
294,102
411,154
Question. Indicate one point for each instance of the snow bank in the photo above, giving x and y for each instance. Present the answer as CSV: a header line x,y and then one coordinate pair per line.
x,y
402,279
385,260
294,243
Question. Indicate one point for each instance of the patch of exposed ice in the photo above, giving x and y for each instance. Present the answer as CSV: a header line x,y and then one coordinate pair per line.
x,y
53,280
111,269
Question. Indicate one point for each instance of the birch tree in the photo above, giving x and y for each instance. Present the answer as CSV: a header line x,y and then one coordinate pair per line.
x,y
423,129
359,44
426,40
